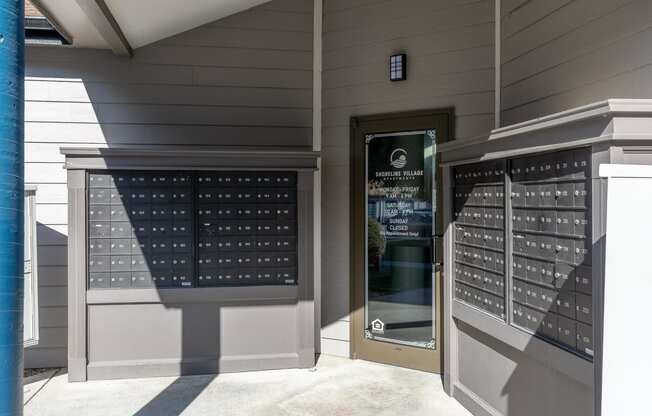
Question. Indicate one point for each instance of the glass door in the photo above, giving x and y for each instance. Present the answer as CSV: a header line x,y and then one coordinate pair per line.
x,y
400,283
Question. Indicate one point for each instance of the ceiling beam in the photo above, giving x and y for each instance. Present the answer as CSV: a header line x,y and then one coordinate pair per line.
x,y
53,21
102,18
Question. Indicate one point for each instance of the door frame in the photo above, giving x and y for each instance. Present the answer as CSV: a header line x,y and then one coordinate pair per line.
x,y
442,120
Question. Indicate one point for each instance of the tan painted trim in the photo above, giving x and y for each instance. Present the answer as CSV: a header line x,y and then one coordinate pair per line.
x,y
442,121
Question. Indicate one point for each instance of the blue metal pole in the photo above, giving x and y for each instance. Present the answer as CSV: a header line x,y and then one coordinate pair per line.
x,y
12,69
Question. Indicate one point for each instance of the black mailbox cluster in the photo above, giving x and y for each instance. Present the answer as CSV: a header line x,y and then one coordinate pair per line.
x,y
246,227
479,213
550,243
186,229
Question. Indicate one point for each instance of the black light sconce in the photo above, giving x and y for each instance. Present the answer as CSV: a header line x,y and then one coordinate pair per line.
x,y
398,67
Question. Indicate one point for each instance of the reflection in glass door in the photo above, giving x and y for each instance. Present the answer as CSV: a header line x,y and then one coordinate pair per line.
x,y
399,243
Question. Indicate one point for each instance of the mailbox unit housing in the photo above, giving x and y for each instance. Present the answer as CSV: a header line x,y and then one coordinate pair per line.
x,y
546,349
138,316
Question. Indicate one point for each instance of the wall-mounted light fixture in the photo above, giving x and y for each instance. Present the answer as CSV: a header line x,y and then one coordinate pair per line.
x,y
398,67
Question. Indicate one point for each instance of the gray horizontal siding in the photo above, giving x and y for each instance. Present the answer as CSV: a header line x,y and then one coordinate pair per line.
x,y
245,80
562,54
450,50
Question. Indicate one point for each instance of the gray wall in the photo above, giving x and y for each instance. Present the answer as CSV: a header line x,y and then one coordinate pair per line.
x,y
559,54
246,80
450,63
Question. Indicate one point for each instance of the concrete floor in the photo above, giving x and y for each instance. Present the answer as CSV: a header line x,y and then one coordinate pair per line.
x,y
336,387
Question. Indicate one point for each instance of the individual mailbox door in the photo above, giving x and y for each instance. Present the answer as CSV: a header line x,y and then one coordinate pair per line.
x,y
564,195
265,228
140,247
181,262
533,270
547,194
181,228
181,179
580,224
161,196
245,195
566,304
226,244
584,308
567,331
99,229
285,196
161,228
120,246
97,196
99,263
546,273
120,263
246,275
548,221
582,252
565,222
520,291
563,250
161,179
182,245
285,228
581,163
580,195
585,339
181,278
139,263
286,260
246,228
564,276
207,228
139,213
140,196
535,320
161,278
181,212
181,196
161,213
549,326
489,217
518,194
161,245
226,261
99,213
288,243
564,165
161,261
547,247
98,280
287,276
245,243
207,212
266,260
99,246
226,195
519,267
140,229
532,196
120,280
583,280
246,260
206,260
119,213
520,316
519,219
100,180
139,179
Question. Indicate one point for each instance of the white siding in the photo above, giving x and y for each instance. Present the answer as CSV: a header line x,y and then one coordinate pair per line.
x,y
244,80
561,54
449,44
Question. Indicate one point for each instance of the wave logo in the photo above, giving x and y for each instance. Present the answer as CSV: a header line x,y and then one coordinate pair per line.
x,y
398,158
